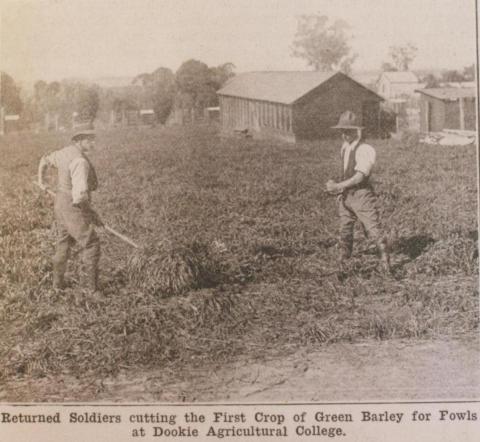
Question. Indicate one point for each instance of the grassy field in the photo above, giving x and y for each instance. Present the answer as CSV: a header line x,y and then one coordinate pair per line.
x,y
254,216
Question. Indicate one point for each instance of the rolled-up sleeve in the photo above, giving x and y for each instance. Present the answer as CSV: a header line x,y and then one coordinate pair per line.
x,y
365,157
79,173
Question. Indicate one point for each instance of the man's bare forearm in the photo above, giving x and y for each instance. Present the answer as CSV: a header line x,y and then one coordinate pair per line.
x,y
42,168
351,182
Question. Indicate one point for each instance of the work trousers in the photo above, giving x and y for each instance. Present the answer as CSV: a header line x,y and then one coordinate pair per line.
x,y
361,205
74,226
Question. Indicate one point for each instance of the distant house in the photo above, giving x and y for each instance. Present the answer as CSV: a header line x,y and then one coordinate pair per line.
x,y
397,84
458,84
11,123
294,105
147,116
447,108
211,113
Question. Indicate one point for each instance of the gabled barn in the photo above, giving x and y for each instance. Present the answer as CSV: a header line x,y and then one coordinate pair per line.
x,y
447,108
294,105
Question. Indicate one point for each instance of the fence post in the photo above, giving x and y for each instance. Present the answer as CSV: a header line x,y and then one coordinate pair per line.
x,y
2,121
462,114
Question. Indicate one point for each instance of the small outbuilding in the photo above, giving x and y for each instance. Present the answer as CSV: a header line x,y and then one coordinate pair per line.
x,y
12,123
147,117
447,108
397,84
292,105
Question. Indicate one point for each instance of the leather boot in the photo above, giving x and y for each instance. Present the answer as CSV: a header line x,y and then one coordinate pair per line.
x,y
59,261
59,275
345,249
91,256
90,279
384,256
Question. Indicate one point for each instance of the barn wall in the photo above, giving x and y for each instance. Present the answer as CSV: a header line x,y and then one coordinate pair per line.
x,y
446,114
317,112
262,119
437,117
452,115
470,114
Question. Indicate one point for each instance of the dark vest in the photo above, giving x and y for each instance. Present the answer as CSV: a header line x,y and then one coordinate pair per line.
x,y
349,171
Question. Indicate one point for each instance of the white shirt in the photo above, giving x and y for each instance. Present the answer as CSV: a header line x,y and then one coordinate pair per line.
x,y
365,157
79,168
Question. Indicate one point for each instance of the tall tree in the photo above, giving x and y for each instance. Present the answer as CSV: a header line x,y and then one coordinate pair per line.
x,y
219,75
431,81
87,103
403,56
158,91
388,67
163,92
469,72
194,85
10,95
324,46
453,76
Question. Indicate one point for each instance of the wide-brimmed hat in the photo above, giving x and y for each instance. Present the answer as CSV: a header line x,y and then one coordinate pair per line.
x,y
348,120
83,131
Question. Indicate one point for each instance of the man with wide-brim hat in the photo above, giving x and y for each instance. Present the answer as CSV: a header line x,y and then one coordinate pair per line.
x,y
356,199
74,216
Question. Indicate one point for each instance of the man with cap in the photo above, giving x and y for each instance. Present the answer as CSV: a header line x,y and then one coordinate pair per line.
x,y
75,218
356,199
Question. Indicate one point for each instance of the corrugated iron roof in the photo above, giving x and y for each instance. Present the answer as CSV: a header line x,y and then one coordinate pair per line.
x,y
284,87
449,93
401,77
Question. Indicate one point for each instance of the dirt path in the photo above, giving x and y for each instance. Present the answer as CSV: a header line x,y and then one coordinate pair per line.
x,y
392,370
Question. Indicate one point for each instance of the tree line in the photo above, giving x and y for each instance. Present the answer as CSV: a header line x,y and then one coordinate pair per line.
x,y
324,44
192,86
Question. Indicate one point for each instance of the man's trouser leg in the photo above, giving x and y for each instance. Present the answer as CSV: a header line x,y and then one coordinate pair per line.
x,y
364,203
60,259
347,222
91,257
77,223
62,249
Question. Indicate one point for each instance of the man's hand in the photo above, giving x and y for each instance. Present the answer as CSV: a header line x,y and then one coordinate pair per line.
x,y
95,218
43,186
333,187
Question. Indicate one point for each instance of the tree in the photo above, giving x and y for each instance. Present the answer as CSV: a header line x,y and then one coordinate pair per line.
x,y
403,56
221,74
388,67
87,103
194,86
431,81
158,91
323,45
163,93
469,72
452,76
10,95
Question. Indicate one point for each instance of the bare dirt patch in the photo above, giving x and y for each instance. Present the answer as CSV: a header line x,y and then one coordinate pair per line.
x,y
388,370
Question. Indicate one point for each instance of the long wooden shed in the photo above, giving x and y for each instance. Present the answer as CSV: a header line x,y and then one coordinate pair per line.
x,y
294,105
447,108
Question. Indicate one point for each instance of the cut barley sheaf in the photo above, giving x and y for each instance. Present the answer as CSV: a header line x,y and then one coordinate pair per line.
x,y
172,270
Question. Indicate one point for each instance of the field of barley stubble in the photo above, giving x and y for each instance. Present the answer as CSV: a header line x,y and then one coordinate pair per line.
x,y
238,252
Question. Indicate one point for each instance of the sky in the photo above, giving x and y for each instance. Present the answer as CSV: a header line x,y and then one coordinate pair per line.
x,y
55,39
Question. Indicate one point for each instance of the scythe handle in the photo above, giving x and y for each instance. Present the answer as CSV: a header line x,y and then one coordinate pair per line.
x,y
105,226
120,236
